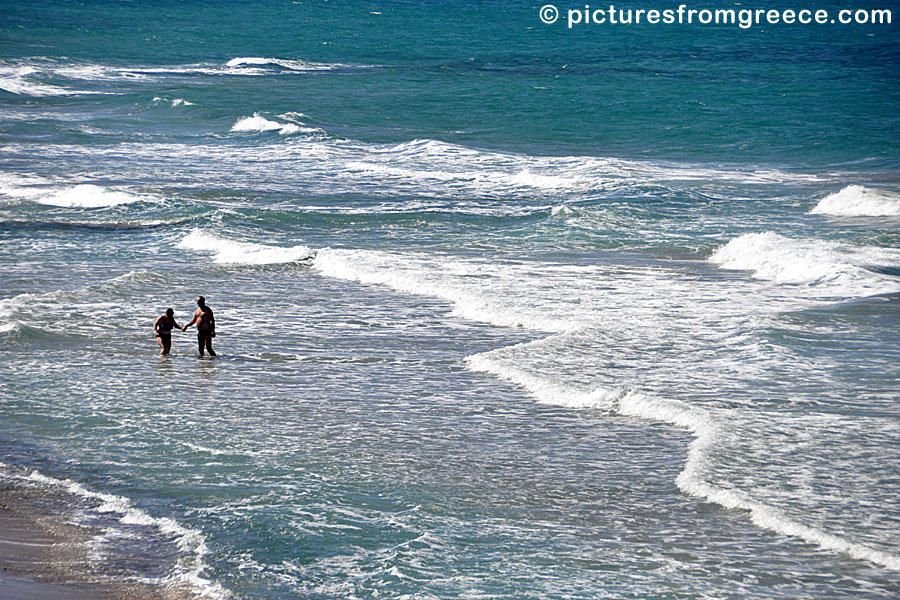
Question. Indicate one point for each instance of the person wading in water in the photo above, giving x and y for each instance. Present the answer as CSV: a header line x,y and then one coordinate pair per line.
x,y
206,326
163,327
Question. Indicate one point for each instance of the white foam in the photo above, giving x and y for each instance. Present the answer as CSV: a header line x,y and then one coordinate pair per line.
x,y
51,193
87,195
458,175
786,260
859,201
95,72
23,78
290,64
174,102
545,390
242,253
15,80
22,187
469,291
691,480
258,123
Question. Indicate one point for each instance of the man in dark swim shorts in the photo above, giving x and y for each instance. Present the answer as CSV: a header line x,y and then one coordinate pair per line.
x,y
206,326
163,327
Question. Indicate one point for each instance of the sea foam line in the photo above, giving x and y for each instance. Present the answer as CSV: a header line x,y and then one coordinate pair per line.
x,y
701,424
190,541
625,402
285,63
705,429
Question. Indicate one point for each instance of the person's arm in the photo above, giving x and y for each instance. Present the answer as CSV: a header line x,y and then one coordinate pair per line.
x,y
194,320
175,324
156,324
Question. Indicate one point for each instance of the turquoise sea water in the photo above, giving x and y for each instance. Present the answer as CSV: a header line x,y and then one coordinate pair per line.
x,y
505,310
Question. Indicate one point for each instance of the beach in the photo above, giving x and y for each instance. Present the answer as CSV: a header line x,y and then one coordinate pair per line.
x,y
504,307
46,558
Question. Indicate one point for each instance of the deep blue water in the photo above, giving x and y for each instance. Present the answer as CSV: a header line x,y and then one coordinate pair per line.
x,y
504,310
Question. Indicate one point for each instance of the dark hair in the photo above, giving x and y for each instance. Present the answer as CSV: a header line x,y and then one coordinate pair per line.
x,y
170,312
201,300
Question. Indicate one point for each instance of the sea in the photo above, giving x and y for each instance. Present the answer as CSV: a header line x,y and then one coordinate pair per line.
x,y
504,310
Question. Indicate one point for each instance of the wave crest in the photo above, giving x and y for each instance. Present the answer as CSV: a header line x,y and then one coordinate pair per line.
x,y
243,253
258,123
859,201
780,259
289,64
84,195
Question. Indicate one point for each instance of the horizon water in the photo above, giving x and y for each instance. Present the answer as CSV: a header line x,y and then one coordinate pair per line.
x,y
504,310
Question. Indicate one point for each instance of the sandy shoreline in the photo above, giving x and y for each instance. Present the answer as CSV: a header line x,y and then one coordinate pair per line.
x,y
44,558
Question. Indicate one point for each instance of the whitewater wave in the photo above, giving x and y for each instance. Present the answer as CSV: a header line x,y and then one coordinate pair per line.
x,y
545,389
707,430
173,102
87,195
44,77
773,257
556,172
29,77
16,80
258,124
859,201
289,64
473,294
226,251
84,195
704,424
117,518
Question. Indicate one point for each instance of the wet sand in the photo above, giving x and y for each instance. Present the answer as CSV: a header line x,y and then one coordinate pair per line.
x,y
43,558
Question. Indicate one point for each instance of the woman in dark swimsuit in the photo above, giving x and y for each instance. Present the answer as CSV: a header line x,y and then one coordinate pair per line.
x,y
163,328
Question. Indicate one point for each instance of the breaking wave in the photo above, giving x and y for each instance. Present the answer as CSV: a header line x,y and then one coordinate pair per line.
x,y
289,64
84,195
773,257
173,102
30,77
859,201
226,251
87,195
258,124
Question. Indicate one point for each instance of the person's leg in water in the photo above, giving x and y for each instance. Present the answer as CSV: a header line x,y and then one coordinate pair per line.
x,y
166,343
200,341
162,347
209,345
